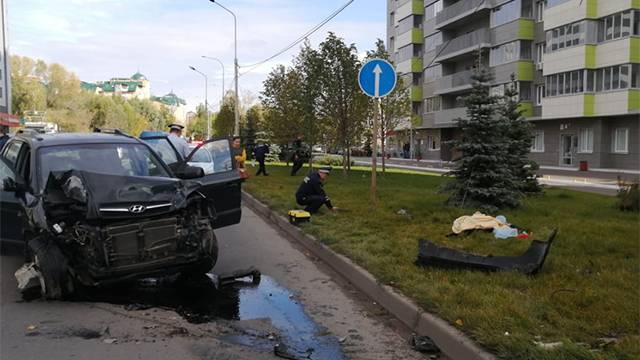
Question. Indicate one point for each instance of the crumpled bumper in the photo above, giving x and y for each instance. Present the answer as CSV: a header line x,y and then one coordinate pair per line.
x,y
530,262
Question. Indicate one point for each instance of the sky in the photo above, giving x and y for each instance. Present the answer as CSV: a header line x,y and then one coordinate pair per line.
x,y
101,39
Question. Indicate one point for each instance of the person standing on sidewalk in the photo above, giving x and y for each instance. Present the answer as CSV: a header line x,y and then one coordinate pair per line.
x,y
260,152
298,155
240,156
311,191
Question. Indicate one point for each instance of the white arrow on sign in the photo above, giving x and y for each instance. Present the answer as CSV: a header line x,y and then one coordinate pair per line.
x,y
377,71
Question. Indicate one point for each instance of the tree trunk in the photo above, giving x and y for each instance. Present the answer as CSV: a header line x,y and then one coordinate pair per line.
x,y
344,160
349,158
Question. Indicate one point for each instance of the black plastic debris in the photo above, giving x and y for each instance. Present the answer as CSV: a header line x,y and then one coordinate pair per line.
x,y
530,262
423,344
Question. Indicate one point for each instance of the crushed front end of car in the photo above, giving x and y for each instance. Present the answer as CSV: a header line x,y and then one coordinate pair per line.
x,y
92,229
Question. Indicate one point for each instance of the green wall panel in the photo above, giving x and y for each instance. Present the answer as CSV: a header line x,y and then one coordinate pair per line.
x,y
589,104
634,100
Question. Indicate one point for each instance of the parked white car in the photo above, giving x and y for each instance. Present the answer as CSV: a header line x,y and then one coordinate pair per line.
x,y
203,159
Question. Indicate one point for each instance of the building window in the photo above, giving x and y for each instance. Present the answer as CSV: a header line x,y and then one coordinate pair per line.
x,y
539,94
432,41
433,73
505,53
432,104
566,36
617,77
432,10
551,3
506,13
433,143
618,25
392,19
524,91
538,141
636,22
405,53
540,50
635,76
621,141
585,140
539,11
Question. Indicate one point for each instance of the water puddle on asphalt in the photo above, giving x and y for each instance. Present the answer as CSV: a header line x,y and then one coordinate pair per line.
x,y
296,336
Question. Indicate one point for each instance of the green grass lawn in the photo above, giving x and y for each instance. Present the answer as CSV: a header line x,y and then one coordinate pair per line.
x,y
589,288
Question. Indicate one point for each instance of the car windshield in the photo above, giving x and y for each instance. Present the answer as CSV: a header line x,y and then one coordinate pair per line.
x,y
112,159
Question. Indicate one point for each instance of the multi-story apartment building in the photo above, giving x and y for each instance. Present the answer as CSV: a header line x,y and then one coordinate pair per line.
x,y
576,63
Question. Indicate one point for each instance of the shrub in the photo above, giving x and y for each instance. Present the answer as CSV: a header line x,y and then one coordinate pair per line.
x,y
330,160
628,195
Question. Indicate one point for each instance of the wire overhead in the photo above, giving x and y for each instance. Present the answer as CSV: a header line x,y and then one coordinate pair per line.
x,y
298,40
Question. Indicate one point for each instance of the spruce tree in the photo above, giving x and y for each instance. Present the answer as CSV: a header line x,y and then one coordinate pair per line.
x,y
482,178
518,134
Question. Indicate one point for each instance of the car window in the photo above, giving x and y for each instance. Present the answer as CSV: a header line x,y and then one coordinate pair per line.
x,y
5,172
12,151
202,155
220,156
164,149
112,159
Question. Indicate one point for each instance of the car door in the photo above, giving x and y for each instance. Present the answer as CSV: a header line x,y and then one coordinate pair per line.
x,y
222,182
10,206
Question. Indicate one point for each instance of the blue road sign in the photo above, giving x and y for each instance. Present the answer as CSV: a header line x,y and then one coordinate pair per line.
x,y
377,78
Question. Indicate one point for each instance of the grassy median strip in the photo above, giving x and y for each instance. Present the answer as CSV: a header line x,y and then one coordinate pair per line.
x,y
586,296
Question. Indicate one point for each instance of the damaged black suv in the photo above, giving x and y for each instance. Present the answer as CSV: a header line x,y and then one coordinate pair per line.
x,y
97,208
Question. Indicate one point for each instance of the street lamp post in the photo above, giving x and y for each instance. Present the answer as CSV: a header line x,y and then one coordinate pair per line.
x,y
206,100
236,130
221,64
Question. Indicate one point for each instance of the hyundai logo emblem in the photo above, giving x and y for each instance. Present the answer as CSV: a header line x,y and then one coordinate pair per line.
x,y
137,209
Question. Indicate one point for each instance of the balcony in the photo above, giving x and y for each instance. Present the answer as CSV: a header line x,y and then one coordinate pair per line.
x,y
454,83
462,10
464,44
447,117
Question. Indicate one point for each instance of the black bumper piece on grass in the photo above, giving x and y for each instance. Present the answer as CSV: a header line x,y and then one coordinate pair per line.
x,y
530,262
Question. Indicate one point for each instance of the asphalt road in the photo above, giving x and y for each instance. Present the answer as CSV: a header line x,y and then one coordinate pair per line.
x,y
299,304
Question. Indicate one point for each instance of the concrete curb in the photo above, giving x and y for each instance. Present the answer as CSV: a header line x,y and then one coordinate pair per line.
x,y
451,341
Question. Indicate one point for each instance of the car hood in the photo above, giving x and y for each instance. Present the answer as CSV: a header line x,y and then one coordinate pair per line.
x,y
116,196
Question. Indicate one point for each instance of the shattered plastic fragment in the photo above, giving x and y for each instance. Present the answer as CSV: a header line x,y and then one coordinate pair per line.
x,y
424,344
528,263
30,280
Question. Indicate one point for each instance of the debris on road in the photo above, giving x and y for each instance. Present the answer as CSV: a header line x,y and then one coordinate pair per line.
x,y
423,344
477,221
548,346
529,263
30,281
110,341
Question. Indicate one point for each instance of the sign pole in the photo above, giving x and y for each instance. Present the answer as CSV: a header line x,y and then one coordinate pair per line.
x,y
377,79
374,154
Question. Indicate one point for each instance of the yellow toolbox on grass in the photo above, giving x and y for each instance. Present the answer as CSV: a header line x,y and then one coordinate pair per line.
x,y
299,216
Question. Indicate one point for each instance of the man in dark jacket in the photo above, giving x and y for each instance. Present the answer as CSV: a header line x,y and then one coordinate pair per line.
x,y
311,192
260,152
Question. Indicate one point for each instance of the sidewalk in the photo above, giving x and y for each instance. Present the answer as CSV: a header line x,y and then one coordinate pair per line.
x,y
602,181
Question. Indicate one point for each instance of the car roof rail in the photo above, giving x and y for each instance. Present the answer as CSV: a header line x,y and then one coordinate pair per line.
x,y
30,132
112,131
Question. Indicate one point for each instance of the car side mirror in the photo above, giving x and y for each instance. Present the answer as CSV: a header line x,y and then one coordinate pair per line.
x,y
9,184
186,171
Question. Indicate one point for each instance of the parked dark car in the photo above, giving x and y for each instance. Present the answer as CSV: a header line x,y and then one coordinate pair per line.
x,y
103,207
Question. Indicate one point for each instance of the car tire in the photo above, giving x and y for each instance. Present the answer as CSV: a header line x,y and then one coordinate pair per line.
x,y
208,260
54,267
